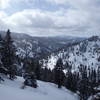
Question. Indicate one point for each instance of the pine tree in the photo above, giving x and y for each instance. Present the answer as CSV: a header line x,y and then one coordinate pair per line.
x,y
8,55
1,49
98,76
37,69
71,81
58,71
29,73
83,85
1,66
45,74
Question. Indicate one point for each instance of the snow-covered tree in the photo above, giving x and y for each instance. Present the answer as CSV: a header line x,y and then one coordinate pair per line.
x,y
30,79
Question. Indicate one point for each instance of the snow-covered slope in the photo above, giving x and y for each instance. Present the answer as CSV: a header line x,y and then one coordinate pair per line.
x,y
86,53
11,90
39,46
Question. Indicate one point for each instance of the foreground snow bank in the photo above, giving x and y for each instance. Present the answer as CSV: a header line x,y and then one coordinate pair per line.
x,y
11,90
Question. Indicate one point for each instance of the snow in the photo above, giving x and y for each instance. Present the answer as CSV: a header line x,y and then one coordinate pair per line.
x,y
11,90
85,53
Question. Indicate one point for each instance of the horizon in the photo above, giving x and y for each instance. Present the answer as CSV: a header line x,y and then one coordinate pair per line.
x,y
47,36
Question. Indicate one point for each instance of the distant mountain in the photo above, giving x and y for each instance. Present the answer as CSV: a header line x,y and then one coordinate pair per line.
x,y
40,46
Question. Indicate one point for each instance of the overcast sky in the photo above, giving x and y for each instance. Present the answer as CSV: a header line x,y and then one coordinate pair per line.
x,y
51,17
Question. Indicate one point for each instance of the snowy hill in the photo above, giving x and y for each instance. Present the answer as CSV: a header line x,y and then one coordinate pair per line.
x,y
40,46
11,90
86,53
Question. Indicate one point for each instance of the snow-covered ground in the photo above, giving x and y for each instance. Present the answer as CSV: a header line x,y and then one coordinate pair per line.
x,y
11,90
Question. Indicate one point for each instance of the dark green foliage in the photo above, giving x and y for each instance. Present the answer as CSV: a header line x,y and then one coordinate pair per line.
x,y
9,55
37,69
83,81
83,85
98,76
31,71
58,73
47,75
32,65
71,81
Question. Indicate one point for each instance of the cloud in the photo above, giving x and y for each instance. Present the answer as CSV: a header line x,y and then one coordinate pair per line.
x,y
4,4
45,22
81,17
58,1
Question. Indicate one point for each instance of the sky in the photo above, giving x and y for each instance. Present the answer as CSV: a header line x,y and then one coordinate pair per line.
x,y
51,17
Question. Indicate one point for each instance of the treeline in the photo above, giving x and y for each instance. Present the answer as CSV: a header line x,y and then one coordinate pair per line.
x,y
83,81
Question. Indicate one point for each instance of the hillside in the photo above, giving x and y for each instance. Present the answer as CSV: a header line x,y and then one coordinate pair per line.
x,y
22,56
11,90
86,53
40,46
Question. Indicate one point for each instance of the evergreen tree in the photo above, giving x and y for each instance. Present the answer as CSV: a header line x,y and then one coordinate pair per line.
x,y
1,66
37,69
93,80
58,72
71,81
45,74
98,76
29,73
8,55
1,49
71,78
83,85
50,75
